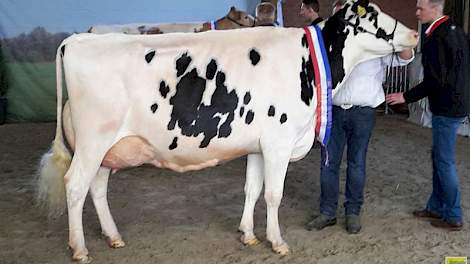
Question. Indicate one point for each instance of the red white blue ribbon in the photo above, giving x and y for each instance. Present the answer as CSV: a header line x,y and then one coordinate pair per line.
x,y
323,83
212,25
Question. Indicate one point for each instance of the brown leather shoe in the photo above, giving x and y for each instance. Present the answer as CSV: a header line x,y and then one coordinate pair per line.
x,y
440,223
426,214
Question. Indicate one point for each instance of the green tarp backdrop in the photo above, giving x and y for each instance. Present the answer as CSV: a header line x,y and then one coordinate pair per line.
x,y
30,32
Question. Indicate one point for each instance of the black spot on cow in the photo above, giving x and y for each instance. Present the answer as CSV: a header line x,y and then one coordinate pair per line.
x,y
186,100
211,70
225,103
149,56
225,129
247,98
307,81
242,111
154,108
174,144
194,117
254,57
62,50
182,64
249,117
374,16
164,89
304,41
271,111
381,34
334,36
283,118
356,27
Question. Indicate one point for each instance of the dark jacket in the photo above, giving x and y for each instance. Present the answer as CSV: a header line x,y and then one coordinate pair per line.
x,y
316,21
446,64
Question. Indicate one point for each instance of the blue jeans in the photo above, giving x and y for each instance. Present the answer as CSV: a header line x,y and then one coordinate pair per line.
x,y
351,128
445,196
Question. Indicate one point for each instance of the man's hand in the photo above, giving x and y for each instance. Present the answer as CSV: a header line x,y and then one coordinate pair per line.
x,y
395,98
406,54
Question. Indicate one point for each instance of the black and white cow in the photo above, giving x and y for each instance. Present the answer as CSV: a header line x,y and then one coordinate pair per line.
x,y
189,101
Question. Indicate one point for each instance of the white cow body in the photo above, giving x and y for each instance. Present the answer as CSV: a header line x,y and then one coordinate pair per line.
x,y
182,101
128,112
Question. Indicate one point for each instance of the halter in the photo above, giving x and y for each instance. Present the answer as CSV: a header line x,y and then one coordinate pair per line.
x,y
378,34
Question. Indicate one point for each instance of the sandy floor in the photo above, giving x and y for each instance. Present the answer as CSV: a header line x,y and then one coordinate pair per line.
x,y
167,217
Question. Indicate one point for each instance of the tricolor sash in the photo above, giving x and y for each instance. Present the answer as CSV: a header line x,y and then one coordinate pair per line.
x,y
212,25
323,83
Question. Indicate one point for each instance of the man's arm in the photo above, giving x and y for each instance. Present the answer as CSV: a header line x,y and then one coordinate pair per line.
x,y
418,92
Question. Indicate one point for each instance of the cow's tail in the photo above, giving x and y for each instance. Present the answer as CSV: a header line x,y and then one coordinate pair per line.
x,y
55,163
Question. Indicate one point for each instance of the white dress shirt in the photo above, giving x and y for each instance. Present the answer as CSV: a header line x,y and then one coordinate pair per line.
x,y
364,85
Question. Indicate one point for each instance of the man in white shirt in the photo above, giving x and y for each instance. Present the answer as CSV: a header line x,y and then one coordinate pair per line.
x,y
353,121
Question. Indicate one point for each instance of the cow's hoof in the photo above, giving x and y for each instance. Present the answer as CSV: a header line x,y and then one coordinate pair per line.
x,y
82,259
117,243
282,249
249,242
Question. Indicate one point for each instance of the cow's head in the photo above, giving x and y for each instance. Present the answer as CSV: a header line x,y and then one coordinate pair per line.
x,y
361,31
241,18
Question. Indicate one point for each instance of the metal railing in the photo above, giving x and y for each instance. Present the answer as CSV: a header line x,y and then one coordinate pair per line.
x,y
403,78
396,81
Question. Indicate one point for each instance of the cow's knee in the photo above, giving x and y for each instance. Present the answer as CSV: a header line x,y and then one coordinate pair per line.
x,y
273,197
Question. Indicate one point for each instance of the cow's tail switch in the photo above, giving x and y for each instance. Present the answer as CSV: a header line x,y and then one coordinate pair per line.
x,y
55,163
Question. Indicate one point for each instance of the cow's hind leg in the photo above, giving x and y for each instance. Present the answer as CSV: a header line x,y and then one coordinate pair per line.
x,y
83,170
276,159
253,186
98,191
78,179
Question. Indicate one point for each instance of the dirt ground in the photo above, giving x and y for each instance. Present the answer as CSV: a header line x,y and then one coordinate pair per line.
x,y
166,217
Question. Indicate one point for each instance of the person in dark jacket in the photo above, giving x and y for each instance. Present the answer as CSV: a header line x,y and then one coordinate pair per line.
x,y
446,83
309,12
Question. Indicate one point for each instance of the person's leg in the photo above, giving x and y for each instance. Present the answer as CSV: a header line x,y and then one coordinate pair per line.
x,y
444,139
361,122
331,157
329,173
434,204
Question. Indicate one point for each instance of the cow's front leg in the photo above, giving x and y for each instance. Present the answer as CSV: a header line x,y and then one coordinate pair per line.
x,y
78,179
253,186
98,190
276,161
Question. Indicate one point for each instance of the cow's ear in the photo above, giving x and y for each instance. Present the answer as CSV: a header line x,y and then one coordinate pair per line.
x,y
232,9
